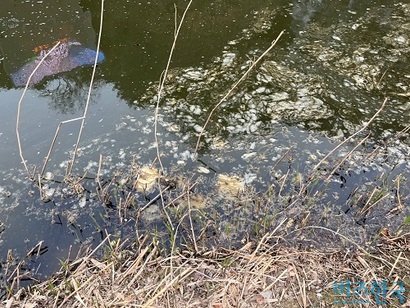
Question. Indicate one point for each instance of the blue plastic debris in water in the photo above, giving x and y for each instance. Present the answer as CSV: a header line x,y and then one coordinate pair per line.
x,y
84,56
66,57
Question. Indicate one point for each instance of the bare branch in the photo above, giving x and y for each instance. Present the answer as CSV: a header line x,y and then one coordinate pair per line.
x,y
235,85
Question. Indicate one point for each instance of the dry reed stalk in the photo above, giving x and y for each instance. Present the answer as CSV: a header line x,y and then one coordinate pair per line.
x,y
181,195
234,86
400,206
71,165
352,136
103,194
31,176
190,221
133,271
159,96
366,208
282,157
99,172
302,289
377,201
402,133
124,205
283,179
54,141
395,263
153,200
164,77
331,173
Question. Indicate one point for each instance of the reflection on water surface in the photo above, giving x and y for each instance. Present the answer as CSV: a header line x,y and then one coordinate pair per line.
x,y
328,74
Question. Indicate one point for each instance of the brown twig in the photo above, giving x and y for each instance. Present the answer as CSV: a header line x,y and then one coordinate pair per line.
x,y
31,176
346,157
54,141
352,136
99,172
164,77
71,165
235,85
190,220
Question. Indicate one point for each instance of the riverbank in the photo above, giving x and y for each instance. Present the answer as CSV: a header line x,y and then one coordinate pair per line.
x,y
258,274
222,243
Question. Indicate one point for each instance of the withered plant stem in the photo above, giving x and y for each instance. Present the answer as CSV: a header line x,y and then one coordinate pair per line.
x,y
83,118
31,176
352,136
346,157
234,86
163,78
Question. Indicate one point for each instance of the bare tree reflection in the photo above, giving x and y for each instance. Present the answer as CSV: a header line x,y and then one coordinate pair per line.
x,y
68,94
30,30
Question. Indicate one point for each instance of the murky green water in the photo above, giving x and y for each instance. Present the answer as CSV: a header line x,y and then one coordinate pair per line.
x,y
327,76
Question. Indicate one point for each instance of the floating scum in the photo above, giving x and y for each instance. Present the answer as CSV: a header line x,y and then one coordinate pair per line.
x,y
147,179
230,186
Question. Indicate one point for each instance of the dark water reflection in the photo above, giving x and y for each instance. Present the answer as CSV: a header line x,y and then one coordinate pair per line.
x,y
29,30
137,40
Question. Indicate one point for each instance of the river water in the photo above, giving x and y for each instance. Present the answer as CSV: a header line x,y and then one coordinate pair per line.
x,y
328,74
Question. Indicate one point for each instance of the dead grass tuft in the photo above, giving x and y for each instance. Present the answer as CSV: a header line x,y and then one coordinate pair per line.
x,y
263,274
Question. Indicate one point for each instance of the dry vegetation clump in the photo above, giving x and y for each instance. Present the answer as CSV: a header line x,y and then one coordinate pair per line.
x,y
263,274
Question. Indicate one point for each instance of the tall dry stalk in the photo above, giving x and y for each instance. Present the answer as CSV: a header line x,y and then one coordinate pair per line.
x,y
50,150
31,176
159,95
71,164
235,85
352,136
164,77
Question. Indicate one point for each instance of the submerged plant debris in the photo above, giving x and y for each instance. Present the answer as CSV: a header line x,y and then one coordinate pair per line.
x,y
147,179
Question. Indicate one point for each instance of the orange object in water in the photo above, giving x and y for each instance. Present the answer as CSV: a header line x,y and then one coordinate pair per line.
x,y
40,48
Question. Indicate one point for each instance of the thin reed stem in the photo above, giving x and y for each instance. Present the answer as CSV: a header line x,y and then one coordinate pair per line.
x,y
71,165
235,85
164,77
31,176
352,136
54,141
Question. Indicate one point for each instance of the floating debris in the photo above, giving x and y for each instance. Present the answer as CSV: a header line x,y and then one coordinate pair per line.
x,y
47,193
230,185
147,178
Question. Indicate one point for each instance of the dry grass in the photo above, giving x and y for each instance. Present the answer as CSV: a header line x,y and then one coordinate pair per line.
x,y
259,274
263,274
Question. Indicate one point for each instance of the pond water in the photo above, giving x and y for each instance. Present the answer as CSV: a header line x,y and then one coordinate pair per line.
x,y
328,74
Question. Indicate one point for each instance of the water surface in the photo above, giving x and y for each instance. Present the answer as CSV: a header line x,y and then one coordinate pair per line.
x,y
330,72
